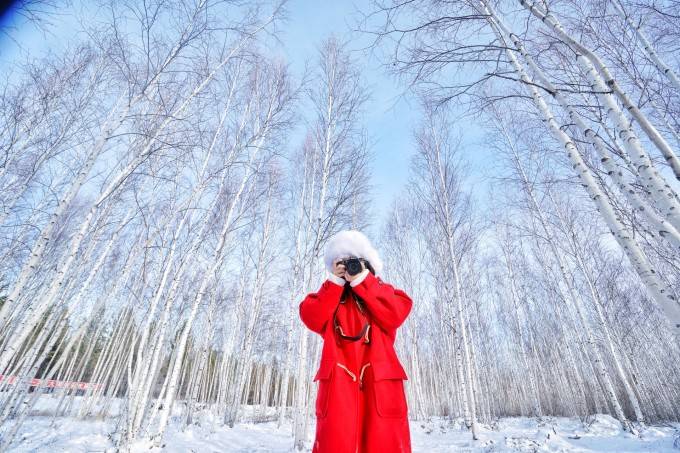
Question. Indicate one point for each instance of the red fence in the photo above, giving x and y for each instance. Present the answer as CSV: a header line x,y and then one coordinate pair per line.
x,y
49,383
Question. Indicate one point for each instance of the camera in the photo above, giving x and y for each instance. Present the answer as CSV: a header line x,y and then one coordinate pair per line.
x,y
352,265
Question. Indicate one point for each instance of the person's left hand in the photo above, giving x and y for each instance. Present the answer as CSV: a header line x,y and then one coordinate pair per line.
x,y
349,278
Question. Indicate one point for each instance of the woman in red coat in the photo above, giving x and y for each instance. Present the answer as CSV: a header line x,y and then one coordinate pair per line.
x,y
360,403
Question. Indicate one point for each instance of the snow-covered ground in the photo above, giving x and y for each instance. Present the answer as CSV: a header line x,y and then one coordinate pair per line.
x,y
601,433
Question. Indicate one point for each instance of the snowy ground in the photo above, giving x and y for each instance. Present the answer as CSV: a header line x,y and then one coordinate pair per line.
x,y
518,434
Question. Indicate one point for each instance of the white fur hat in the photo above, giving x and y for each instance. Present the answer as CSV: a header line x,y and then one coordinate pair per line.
x,y
351,243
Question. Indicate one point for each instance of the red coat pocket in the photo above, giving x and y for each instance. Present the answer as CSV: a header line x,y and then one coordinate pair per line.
x,y
388,388
323,375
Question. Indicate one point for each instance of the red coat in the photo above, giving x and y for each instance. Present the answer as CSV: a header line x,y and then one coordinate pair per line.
x,y
360,403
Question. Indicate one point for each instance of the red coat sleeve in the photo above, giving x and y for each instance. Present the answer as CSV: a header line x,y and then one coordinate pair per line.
x,y
389,306
317,308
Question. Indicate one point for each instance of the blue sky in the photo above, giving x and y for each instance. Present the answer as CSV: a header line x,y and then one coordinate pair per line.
x,y
389,119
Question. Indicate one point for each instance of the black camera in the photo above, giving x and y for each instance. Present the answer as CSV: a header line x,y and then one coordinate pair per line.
x,y
352,265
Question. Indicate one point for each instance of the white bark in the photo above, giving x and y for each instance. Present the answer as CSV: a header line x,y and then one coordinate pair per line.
x,y
656,287
605,79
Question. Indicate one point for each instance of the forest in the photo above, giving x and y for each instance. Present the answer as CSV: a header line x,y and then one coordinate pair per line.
x,y
168,184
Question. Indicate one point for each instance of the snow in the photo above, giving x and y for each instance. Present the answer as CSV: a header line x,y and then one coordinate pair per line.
x,y
551,434
599,433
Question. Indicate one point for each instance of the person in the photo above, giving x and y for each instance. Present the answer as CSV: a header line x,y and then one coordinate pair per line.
x,y
360,404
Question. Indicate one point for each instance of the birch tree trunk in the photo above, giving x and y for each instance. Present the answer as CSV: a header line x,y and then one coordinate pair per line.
x,y
656,287
601,76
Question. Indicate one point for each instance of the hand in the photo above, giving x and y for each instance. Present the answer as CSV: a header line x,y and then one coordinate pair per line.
x,y
339,269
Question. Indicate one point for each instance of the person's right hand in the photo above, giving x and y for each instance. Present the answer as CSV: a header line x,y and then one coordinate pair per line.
x,y
338,268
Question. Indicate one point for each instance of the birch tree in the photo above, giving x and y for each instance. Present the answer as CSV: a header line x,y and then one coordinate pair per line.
x,y
437,182
330,180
